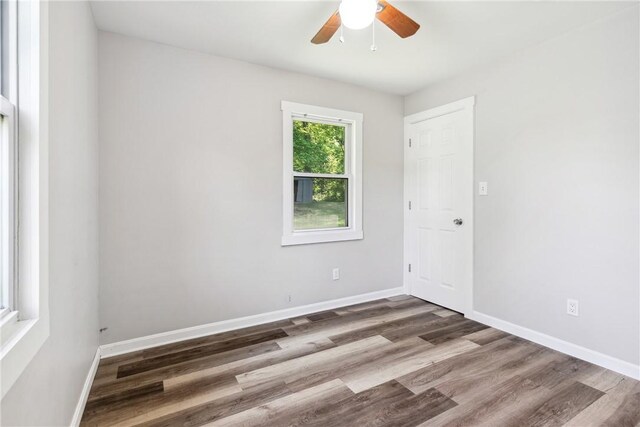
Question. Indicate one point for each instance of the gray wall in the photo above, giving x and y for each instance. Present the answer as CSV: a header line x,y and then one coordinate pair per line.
x,y
191,190
557,137
47,391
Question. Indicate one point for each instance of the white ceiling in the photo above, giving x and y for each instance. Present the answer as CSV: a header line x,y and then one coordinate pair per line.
x,y
454,36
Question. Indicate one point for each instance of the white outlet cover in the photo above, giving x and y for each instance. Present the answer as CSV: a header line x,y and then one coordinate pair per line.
x,y
573,307
336,274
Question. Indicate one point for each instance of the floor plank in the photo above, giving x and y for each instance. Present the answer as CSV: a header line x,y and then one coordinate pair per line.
x,y
413,411
562,406
515,396
322,316
279,411
618,406
291,369
386,329
346,323
223,407
482,365
434,324
486,336
120,411
183,368
452,332
197,352
354,410
370,360
210,339
394,367
251,363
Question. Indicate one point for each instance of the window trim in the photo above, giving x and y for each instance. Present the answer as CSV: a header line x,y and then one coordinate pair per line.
x,y
353,173
25,330
9,193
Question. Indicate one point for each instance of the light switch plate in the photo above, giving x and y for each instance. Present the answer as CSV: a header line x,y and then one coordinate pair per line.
x,y
483,188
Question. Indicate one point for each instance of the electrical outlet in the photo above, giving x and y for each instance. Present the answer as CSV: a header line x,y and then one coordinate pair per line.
x,y
336,274
572,307
289,299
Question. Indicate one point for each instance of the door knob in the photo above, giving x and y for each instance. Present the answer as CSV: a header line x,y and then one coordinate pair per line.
x,y
457,221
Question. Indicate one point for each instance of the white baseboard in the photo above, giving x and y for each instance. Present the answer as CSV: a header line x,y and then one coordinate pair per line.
x,y
121,347
84,395
600,359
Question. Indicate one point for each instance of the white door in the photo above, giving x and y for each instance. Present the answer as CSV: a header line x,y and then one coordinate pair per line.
x,y
439,205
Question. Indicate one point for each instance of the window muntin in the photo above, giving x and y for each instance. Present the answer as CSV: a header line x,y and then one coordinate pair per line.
x,y
322,193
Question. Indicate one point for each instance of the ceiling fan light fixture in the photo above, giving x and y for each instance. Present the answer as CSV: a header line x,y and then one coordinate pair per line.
x,y
358,14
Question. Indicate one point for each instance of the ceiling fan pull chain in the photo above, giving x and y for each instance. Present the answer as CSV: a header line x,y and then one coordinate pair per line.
x,y
373,33
341,33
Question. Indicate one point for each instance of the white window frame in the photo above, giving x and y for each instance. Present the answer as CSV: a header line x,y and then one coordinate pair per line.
x,y
8,246
9,158
353,173
24,330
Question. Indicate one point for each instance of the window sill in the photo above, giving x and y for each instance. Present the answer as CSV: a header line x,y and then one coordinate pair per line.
x,y
310,237
8,326
3,313
21,340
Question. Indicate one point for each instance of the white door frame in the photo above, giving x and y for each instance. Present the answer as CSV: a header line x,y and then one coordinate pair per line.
x,y
466,104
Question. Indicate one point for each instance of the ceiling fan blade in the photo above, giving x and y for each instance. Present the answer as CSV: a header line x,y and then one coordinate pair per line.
x,y
328,29
397,21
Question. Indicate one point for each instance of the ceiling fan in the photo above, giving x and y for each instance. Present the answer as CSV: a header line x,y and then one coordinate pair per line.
x,y
358,14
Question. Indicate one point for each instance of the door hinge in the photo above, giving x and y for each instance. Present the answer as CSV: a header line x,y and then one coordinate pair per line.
x,y
409,204
409,142
409,268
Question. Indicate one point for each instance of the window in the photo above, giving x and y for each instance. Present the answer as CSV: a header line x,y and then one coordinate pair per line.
x,y
8,156
24,219
322,180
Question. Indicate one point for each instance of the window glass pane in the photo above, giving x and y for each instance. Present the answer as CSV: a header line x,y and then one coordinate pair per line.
x,y
319,203
318,147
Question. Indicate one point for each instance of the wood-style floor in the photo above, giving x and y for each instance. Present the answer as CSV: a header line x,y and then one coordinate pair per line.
x,y
392,362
